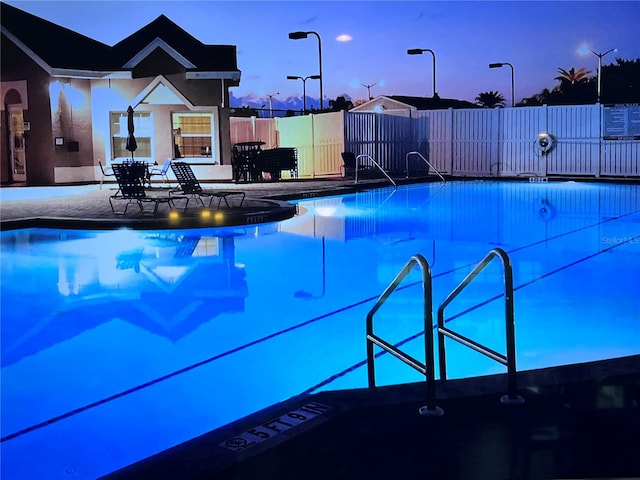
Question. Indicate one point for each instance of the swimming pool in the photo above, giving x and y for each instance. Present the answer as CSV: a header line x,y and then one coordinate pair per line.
x,y
117,345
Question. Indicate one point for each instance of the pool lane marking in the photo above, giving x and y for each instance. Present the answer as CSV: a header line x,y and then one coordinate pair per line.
x,y
630,240
150,383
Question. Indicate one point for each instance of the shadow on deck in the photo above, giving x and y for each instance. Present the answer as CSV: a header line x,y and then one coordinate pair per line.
x,y
578,421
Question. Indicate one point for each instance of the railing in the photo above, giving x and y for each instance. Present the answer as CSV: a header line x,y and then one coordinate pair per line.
x,y
376,164
425,161
510,358
427,369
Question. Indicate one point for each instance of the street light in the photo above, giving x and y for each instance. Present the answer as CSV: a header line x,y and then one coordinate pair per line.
x,y
368,87
300,35
271,95
304,87
419,51
502,64
600,55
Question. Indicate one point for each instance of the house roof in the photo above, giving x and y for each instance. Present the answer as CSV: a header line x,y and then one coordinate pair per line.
x,y
413,103
431,103
51,47
51,42
164,33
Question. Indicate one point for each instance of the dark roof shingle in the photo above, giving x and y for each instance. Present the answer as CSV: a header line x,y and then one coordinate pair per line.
x,y
63,48
58,46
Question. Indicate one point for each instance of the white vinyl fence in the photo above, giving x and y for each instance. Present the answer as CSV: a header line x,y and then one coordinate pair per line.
x,y
589,140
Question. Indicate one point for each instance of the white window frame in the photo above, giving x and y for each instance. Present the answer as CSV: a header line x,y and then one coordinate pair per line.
x,y
142,130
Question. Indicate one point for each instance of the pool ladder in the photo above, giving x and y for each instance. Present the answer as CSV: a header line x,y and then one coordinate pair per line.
x,y
378,166
427,369
425,161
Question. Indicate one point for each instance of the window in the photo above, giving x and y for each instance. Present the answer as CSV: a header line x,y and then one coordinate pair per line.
x,y
192,135
143,132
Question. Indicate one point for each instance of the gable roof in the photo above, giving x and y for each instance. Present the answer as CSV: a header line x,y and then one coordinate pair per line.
x,y
189,51
431,103
51,48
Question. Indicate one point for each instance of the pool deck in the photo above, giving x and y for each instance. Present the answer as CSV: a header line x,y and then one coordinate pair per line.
x,y
577,421
88,207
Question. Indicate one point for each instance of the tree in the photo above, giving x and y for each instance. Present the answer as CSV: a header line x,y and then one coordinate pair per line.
x,y
340,103
572,76
490,99
620,82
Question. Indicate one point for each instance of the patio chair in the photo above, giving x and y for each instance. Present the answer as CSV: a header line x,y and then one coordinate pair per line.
x,y
190,186
129,178
349,161
106,172
161,172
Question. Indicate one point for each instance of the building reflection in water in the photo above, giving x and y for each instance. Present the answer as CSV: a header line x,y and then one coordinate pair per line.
x,y
166,283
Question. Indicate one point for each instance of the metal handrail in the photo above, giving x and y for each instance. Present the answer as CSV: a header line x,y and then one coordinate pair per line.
x,y
425,160
372,339
376,164
510,358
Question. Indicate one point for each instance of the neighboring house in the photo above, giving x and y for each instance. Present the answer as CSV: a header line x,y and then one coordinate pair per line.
x,y
65,98
403,105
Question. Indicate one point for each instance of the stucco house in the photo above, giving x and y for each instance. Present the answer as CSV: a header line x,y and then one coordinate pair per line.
x,y
65,98
404,105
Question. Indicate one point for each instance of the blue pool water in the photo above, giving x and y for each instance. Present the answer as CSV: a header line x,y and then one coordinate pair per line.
x,y
119,344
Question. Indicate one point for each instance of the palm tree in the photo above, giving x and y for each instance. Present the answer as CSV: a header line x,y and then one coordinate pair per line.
x,y
572,76
490,99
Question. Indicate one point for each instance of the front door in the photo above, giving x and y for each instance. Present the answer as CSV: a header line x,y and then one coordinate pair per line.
x,y
16,144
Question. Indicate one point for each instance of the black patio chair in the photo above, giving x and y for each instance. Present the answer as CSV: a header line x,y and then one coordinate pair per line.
x,y
349,162
190,186
129,177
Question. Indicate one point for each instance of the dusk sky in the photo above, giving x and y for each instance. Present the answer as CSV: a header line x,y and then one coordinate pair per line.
x,y
366,42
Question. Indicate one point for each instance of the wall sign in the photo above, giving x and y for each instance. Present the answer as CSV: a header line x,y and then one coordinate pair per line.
x,y
621,122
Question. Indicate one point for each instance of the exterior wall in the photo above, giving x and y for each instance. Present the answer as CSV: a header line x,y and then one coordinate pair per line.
x,y
115,95
16,67
71,119
78,110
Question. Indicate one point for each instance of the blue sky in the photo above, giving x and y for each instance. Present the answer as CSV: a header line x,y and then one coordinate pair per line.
x,y
536,37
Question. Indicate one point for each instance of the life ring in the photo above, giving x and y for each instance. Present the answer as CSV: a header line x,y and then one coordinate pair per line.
x,y
545,143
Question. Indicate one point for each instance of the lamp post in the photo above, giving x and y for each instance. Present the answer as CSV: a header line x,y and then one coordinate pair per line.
x,y
271,95
600,55
304,87
368,87
419,51
300,35
500,65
